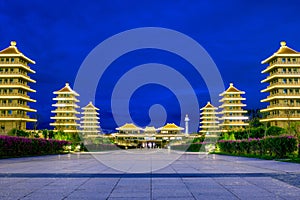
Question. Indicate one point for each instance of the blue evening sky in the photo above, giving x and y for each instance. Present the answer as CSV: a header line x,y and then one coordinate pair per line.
x,y
58,35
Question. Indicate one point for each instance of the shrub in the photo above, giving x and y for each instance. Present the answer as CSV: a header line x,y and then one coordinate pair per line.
x,y
194,147
275,130
275,146
11,146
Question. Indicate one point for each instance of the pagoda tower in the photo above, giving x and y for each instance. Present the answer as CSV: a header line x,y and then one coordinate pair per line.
x,y
232,109
89,120
14,79
65,112
209,124
283,87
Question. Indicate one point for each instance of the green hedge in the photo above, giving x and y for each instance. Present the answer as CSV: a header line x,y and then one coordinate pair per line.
x,y
194,147
274,146
11,146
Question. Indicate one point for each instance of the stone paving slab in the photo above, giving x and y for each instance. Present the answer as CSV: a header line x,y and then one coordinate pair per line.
x,y
190,176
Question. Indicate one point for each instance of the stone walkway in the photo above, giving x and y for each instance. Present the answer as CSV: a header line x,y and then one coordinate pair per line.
x,y
161,175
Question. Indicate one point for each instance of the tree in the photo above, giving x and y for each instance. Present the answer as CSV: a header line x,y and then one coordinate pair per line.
x,y
275,130
45,133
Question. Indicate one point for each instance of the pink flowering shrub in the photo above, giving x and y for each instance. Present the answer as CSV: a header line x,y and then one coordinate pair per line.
x,y
11,146
275,146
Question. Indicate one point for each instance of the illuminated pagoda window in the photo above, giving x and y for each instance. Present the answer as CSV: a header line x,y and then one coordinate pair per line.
x,y
90,125
283,87
232,114
65,118
209,124
14,89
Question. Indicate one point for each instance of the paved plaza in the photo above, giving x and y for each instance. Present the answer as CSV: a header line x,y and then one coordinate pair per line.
x,y
147,174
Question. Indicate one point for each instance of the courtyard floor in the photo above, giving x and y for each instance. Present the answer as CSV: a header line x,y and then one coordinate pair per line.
x,y
147,174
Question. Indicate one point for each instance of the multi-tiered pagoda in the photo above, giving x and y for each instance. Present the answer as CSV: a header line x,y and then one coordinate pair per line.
x,y
65,110
14,79
89,121
209,124
232,109
283,87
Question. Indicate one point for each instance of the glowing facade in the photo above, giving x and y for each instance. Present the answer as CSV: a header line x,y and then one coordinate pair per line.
x,y
132,136
284,86
209,123
14,79
232,109
65,112
171,128
129,128
89,121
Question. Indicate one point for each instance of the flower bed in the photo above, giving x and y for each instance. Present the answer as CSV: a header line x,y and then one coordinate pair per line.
x,y
11,146
274,146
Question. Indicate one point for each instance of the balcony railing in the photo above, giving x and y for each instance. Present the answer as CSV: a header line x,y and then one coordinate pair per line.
x,y
15,62
283,116
14,73
286,84
284,94
14,116
13,105
286,62
291,106
13,94
13,83
286,73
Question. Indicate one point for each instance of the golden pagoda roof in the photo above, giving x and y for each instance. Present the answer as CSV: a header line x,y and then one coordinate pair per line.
x,y
129,126
283,50
12,50
208,106
66,89
149,129
232,89
90,105
171,126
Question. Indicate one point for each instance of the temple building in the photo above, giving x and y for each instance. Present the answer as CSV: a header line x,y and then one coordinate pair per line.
x,y
132,136
129,129
150,130
14,79
65,110
232,114
90,125
283,69
209,124
171,128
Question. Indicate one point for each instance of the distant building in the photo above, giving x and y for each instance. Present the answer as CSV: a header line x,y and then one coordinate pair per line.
x,y
150,130
171,128
284,85
14,79
209,124
132,136
65,110
129,129
232,109
89,121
